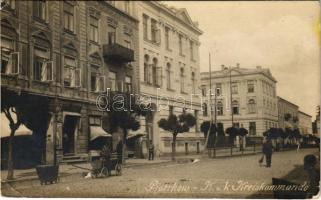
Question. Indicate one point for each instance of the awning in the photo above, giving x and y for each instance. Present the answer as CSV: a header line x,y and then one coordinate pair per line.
x,y
134,135
5,129
97,131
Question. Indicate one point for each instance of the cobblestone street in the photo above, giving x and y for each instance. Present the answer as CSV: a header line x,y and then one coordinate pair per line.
x,y
221,177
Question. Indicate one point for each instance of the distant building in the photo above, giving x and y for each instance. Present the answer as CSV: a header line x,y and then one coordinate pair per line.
x,y
247,94
305,123
169,73
288,114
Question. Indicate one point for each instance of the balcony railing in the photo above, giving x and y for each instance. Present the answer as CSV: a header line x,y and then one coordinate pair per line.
x,y
118,53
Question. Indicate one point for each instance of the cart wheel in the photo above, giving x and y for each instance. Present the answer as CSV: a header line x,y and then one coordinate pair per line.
x,y
118,169
104,172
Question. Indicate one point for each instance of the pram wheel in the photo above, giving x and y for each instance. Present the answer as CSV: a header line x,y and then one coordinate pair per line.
x,y
118,169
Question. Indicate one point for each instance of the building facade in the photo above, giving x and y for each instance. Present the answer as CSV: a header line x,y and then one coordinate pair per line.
x,y
169,72
245,94
69,52
287,113
305,123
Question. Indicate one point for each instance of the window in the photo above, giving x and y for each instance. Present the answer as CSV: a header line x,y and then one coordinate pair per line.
x,y
68,17
191,49
154,71
236,124
42,67
145,29
196,120
112,81
128,84
10,4
95,120
93,29
252,128
171,110
146,69
167,45
251,106
97,82
39,9
154,31
235,107
203,90
204,109
111,35
219,107
180,44
218,88
182,81
234,88
168,76
193,83
71,73
9,58
250,86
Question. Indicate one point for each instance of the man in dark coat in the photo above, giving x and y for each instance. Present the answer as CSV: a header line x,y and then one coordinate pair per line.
x,y
267,151
151,151
119,149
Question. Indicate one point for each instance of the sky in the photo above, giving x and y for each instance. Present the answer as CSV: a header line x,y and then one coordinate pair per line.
x,y
282,36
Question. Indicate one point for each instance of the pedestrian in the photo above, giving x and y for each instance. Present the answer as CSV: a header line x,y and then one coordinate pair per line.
x,y
119,149
267,151
105,153
310,162
151,151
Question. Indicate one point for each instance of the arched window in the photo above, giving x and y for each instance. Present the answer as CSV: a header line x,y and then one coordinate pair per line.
x,y
204,109
182,80
251,106
146,74
235,107
193,82
154,71
168,75
219,107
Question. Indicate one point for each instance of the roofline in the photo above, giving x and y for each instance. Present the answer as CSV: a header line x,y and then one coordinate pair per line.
x,y
168,11
305,113
251,73
287,101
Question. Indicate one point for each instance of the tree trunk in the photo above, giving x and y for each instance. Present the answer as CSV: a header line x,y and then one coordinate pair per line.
x,y
10,155
174,146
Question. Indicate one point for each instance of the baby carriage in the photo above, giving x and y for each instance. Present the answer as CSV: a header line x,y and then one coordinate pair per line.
x,y
103,168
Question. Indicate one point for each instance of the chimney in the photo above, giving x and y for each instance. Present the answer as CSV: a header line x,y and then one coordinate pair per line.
x,y
258,67
223,67
237,65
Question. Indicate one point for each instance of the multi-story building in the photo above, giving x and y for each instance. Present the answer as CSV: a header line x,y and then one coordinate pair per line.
x,y
169,72
246,96
305,123
68,52
287,113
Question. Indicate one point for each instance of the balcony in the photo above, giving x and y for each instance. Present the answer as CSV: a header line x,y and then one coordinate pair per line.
x,y
117,52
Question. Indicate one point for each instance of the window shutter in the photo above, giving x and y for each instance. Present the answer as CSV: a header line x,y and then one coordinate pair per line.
x,y
76,77
43,71
49,74
97,86
14,58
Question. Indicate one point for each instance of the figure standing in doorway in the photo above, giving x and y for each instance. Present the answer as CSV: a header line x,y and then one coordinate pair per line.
x,y
151,151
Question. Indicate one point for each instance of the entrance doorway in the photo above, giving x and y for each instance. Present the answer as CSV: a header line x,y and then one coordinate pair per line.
x,y
69,131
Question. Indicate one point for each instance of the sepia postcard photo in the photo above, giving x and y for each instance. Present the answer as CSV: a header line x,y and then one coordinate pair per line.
x,y
160,99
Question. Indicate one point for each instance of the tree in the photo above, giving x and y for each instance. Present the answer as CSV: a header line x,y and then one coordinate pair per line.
x,y
205,126
124,111
177,125
232,132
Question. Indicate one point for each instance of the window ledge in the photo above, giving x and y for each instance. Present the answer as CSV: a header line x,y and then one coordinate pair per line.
x,y
42,82
72,87
182,92
170,89
69,32
93,42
